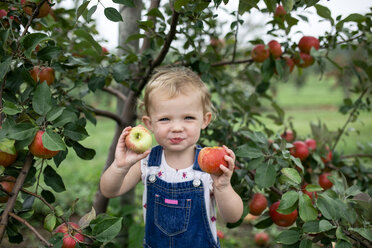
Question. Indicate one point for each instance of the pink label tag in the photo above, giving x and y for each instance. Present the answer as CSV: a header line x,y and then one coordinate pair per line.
x,y
169,201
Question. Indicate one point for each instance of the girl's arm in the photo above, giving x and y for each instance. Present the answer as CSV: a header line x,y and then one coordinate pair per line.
x,y
229,203
124,172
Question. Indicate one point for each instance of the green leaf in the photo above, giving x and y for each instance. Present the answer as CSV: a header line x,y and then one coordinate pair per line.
x,y
364,232
53,141
113,15
355,18
324,12
7,145
107,229
288,5
128,3
247,151
87,218
327,207
288,237
53,180
66,117
179,3
48,196
11,108
306,209
256,137
325,225
265,176
341,235
156,12
75,132
247,5
291,175
5,67
50,222
343,244
83,152
49,53
255,163
54,113
42,99
31,41
135,37
86,36
96,83
306,243
22,131
311,227
288,202
313,188
81,9
91,11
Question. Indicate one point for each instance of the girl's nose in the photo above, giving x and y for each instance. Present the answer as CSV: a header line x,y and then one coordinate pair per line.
x,y
177,127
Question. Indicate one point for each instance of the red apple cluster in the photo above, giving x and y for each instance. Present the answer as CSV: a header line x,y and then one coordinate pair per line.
x,y
71,234
41,73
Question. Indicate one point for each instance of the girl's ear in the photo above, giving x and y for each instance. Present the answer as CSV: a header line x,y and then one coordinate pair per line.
x,y
207,119
147,121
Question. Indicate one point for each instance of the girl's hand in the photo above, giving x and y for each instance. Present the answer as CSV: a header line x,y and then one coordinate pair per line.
x,y
124,157
223,181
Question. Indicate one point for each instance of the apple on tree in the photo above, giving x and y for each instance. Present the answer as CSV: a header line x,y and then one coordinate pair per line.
x,y
303,60
210,159
7,184
290,63
261,238
307,42
279,219
280,12
324,182
310,194
288,135
258,204
328,157
71,236
260,53
311,143
299,150
29,7
42,73
139,139
37,148
275,48
8,153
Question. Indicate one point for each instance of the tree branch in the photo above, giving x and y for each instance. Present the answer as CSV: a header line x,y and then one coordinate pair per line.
x,y
115,92
356,155
23,221
146,41
17,187
232,62
109,115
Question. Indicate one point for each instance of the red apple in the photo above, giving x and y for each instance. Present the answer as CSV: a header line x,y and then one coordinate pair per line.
x,y
71,237
41,74
105,50
260,53
29,7
7,186
217,43
328,158
290,63
220,234
324,182
280,12
249,218
139,139
288,135
310,194
3,13
210,159
303,60
299,150
279,219
307,42
311,143
261,239
275,48
37,148
8,153
258,204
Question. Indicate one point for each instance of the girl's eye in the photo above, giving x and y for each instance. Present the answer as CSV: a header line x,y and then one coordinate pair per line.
x,y
164,119
189,118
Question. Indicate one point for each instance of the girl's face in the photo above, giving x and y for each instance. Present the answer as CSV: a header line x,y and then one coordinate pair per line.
x,y
176,122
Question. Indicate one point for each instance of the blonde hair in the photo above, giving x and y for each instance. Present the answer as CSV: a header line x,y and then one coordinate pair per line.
x,y
174,81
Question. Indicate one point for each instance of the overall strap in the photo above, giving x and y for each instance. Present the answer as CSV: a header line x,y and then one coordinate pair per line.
x,y
155,156
196,164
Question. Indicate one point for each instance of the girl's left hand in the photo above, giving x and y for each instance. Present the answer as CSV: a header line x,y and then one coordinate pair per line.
x,y
222,181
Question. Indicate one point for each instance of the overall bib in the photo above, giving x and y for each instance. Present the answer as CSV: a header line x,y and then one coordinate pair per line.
x,y
176,215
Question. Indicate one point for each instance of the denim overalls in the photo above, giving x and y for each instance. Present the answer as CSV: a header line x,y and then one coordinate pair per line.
x,y
176,215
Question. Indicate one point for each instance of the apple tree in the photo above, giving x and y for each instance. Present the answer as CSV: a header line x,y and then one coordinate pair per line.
x,y
49,63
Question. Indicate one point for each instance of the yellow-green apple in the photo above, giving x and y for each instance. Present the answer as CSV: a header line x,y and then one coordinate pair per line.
x,y
210,159
29,7
299,150
8,153
324,182
41,74
261,238
37,148
311,143
249,218
258,204
70,235
303,60
307,42
280,12
279,219
275,48
139,139
7,184
260,53
288,135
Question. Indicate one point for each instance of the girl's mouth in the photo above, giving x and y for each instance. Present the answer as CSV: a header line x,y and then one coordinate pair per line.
x,y
176,140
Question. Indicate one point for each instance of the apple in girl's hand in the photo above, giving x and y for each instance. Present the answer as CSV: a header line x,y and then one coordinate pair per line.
x,y
139,139
210,159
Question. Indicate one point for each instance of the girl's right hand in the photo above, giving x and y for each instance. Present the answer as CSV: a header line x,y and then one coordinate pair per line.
x,y
124,157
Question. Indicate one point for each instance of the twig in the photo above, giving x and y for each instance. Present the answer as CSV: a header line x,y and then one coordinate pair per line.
x,y
356,155
108,114
115,92
146,41
235,62
23,221
17,187
236,37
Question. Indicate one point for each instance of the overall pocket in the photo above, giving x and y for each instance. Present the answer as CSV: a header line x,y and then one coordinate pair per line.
x,y
172,216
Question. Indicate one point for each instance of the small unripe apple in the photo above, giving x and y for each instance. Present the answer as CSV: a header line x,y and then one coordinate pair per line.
x,y
210,159
37,148
288,135
41,74
299,150
70,237
258,204
279,219
29,7
311,143
280,12
260,53
307,42
7,185
139,139
8,153
275,48
261,239
303,60
324,182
